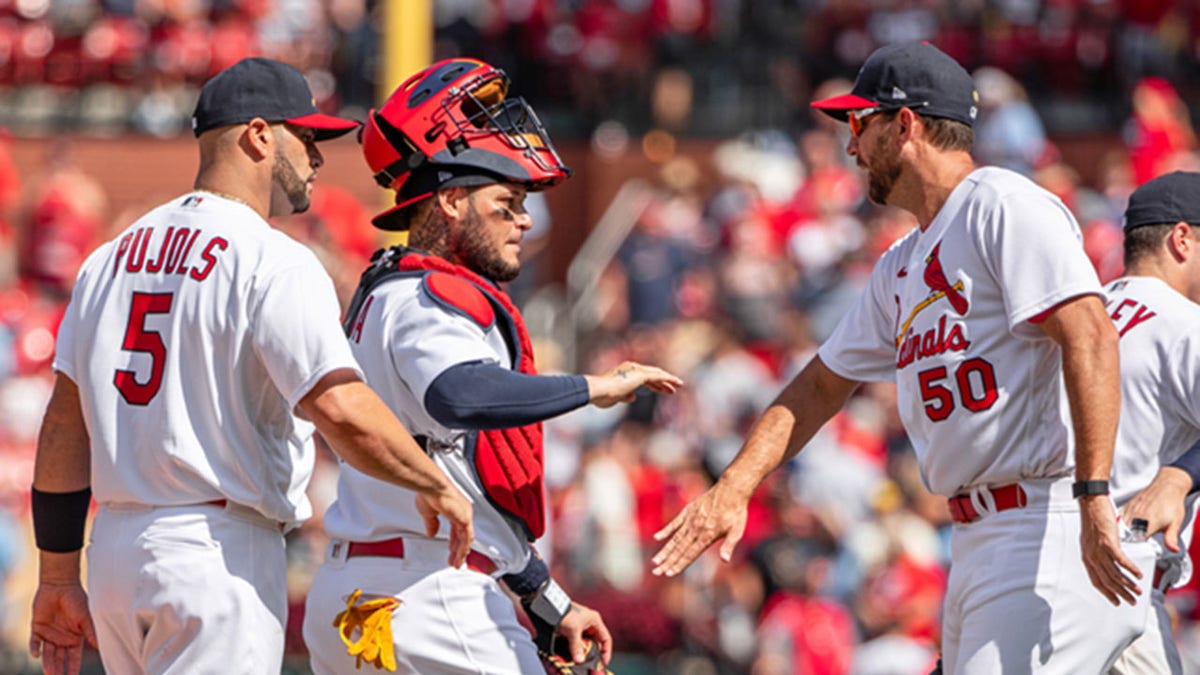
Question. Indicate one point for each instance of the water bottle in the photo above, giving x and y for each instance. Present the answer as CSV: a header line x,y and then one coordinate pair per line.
x,y
1137,529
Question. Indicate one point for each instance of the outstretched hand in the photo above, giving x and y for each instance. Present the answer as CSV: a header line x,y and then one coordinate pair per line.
x,y
719,512
1102,554
454,506
61,627
620,384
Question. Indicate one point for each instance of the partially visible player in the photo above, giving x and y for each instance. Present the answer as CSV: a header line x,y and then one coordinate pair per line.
x,y
199,349
448,351
989,319
1153,307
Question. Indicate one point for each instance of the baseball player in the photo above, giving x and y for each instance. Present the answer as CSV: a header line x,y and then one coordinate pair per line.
x,y
449,352
989,319
199,349
1153,308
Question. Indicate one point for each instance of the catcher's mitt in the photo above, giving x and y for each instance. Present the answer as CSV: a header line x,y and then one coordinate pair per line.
x,y
560,662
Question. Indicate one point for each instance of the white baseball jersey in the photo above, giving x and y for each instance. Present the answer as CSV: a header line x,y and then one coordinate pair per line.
x,y
192,336
949,314
404,339
1160,379
1160,385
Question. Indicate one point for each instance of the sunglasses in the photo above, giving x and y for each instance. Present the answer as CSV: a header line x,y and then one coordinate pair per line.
x,y
856,119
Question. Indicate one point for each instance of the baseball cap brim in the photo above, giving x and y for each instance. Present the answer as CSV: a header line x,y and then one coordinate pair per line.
x,y
390,219
421,185
839,107
325,126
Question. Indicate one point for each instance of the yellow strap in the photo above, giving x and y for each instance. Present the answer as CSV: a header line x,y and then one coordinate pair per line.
x,y
372,619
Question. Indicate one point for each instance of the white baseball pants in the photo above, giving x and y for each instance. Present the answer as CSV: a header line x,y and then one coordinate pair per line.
x,y
1018,599
188,589
449,620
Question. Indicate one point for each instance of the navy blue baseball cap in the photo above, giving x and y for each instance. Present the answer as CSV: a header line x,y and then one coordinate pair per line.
x,y
1166,200
915,75
261,87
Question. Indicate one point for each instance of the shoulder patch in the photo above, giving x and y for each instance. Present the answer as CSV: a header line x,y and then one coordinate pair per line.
x,y
460,296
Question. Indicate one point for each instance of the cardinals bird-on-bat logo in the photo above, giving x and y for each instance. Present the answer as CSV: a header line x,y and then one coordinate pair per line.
x,y
940,287
935,278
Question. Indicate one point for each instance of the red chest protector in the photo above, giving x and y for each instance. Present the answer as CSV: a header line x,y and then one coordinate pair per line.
x,y
508,462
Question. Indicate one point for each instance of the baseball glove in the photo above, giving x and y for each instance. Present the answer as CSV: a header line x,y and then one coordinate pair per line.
x,y
373,621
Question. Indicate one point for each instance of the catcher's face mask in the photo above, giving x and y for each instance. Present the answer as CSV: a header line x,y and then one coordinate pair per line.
x,y
458,113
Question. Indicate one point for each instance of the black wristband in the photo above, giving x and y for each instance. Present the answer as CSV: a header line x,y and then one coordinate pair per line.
x,y
1087,488
59,519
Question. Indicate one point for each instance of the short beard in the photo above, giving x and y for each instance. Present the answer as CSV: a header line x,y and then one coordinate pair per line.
x,y
476,252
285,176
882,175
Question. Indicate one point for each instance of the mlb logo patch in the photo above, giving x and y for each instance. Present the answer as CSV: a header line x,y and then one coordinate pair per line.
x,y
193,201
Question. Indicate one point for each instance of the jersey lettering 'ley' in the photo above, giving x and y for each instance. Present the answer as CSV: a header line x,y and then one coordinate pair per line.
x,y
1126,313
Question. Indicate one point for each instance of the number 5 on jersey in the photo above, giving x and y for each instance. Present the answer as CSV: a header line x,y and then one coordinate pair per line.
x,y
139,339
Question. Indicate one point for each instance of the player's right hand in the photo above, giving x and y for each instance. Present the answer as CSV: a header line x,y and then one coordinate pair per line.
x,y
61,626
619,384
720,512
455,507
1161,503
1102,554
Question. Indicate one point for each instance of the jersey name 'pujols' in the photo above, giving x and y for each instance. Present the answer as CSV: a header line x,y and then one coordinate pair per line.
x,y
170,255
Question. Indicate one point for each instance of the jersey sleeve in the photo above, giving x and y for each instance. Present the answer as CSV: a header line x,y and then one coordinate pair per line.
x,y
1035,248
64,342
489,396
65,339
427,338
862,347
297,332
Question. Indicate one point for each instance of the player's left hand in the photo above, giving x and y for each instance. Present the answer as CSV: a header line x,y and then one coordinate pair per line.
x,y
580,625
720,512
61,626
620,384
1102,554
1161,503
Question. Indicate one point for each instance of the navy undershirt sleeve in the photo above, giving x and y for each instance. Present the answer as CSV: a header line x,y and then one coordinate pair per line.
x,y
479,395
529,580
1190,463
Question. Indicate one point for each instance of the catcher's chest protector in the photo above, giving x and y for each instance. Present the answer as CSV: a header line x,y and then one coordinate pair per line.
x,y
508,462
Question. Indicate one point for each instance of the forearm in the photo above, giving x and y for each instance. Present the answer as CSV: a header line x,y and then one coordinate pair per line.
x,y
64,460
788,424
365,433
61,494
1188,465
1091,375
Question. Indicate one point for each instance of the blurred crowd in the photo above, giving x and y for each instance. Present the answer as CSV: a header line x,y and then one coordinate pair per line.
x,y
737,266
698,67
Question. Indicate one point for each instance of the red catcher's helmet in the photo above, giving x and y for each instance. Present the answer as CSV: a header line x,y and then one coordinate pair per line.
x,y
454,121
